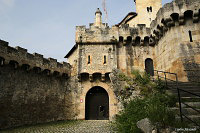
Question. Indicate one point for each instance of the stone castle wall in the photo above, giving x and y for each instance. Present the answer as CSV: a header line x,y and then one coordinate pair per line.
x,y
97,64
169,43
37,90
33,89
166,42
175,51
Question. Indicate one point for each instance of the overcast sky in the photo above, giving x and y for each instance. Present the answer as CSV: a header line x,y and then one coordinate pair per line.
x,y
48,26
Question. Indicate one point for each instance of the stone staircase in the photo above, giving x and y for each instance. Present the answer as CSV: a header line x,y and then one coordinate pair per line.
x,y
188,86
187,98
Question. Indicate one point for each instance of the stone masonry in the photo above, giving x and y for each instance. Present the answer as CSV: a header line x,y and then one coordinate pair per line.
x,y
34,89
171,40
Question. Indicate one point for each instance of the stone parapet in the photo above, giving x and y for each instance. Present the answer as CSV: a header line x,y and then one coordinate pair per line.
x,y
178,12
20,57
111,35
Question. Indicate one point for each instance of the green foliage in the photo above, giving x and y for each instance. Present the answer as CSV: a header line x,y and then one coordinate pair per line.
x,y
146,86
126,120
160,86
155,107
122,77
141,79
158,110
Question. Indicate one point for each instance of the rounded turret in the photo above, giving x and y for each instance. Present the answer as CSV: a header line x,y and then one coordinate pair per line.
x,y
98,18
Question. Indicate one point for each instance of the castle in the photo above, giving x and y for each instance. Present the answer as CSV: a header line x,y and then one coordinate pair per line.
x,y
37,90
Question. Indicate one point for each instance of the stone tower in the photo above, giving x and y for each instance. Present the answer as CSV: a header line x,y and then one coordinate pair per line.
x,y
98,18
146,10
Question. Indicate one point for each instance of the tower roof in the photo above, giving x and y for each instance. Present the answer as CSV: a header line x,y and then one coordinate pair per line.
x,y
98,11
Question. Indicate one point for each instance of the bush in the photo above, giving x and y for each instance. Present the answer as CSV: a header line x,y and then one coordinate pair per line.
x,y
160,86
141,79
158,110
126,120
122,77
155,107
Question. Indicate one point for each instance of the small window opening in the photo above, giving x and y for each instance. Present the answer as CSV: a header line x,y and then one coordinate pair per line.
x,y
146,41
137,40
89,59
104,62
121,39
129,39
149,9
190,35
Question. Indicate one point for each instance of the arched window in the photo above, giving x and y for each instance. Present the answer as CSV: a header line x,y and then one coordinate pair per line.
x,y
146,41
175,16
137,40
188,14
149,66
121,39
129,39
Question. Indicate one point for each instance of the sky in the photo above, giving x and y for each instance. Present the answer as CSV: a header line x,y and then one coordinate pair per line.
x,y
48,27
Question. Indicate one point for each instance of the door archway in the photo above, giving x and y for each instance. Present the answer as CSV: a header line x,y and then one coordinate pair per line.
x,y
97,104
149,66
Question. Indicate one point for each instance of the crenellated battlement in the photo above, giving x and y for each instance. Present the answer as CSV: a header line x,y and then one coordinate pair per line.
x,y
19,57
112,35
176,13
95,34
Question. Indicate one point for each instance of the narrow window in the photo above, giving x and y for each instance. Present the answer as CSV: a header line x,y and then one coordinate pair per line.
x,y
150,9
88,59
190,35
121,39
147,9
104,62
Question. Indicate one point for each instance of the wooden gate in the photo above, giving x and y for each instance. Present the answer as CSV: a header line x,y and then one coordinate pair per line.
x,y
97,104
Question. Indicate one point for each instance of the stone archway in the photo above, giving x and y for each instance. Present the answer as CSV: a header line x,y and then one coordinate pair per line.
x,y
149,66
97,104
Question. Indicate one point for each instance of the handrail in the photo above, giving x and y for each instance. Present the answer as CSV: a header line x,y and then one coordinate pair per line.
x,y
191,107
179,91
189,92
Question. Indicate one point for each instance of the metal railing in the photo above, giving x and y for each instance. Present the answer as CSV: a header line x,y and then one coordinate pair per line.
x,y
179,90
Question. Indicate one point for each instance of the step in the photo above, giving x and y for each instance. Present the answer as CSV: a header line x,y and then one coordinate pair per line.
x,y
195,118
180,84
187,94
190,99
192,104
192,91
186,111
183,92
184,87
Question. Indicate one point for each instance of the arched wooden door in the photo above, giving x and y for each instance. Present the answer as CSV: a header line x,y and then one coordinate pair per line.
x,y
97,104
149,66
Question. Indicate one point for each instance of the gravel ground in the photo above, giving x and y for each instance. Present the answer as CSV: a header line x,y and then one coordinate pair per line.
x,y
89,126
